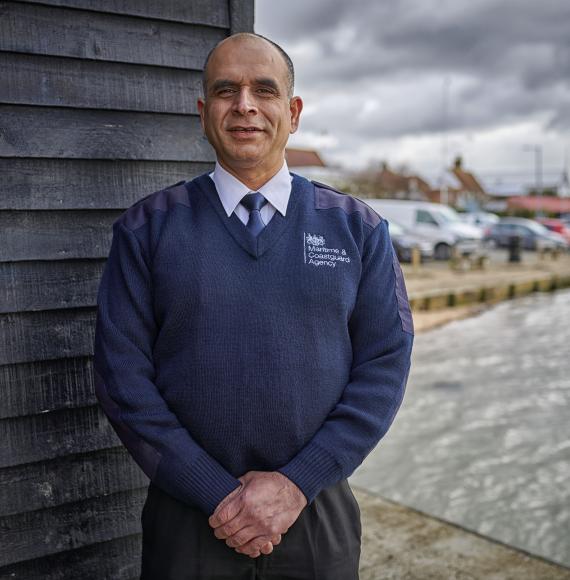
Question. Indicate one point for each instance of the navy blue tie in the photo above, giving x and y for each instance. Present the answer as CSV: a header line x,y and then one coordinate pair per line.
x,y
253,202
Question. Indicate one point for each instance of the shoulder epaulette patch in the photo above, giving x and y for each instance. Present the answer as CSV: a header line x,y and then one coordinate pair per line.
x,y
326,186
156,192
138,213
332,197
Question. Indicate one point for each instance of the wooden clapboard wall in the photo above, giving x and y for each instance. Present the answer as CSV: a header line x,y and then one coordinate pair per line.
x,y
97,109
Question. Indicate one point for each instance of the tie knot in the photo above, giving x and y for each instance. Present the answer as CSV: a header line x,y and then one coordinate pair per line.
x,y
253,201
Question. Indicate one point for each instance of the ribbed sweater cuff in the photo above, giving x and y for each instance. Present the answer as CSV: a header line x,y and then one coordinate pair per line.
x,y
207,482
312,469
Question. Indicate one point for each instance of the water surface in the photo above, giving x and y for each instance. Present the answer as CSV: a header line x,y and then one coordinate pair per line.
x,y
483,436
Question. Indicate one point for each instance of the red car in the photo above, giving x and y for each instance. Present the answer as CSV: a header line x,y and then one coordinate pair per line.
x,y
555,225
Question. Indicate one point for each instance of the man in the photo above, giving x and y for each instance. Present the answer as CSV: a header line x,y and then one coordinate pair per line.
x,y
252,345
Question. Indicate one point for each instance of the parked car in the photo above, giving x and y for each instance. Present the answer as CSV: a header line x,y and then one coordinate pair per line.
x,y
439,223
534,236
481,219
556,225
405,241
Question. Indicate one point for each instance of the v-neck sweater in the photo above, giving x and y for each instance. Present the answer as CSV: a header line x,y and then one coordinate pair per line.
x,y
217,352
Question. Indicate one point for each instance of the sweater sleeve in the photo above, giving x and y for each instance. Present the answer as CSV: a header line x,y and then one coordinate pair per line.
x,y
381,332
125,387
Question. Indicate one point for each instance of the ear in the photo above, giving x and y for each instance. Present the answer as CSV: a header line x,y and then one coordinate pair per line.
x,y
295,107
201,104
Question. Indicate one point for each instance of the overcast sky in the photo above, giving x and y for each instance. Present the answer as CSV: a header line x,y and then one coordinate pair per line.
x,y
381,78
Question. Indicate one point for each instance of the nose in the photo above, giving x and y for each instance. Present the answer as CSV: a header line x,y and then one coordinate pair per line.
x,y
244,102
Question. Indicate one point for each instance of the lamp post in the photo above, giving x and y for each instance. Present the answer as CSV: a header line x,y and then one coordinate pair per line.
x,y
537,149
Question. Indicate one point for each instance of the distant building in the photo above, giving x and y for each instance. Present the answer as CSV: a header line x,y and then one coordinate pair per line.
x,y
460,188
389,183
548,204
303,158
309,164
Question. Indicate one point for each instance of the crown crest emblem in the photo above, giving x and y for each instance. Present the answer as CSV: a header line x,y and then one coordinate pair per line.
x,y
315,240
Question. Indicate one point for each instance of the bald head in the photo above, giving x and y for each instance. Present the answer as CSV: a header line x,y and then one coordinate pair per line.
x,y
250,37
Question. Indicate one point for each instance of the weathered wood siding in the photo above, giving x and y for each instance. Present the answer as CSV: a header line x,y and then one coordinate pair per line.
x,y
97,109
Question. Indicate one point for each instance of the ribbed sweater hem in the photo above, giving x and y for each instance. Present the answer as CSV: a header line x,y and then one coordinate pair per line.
x,y
312,469
206,481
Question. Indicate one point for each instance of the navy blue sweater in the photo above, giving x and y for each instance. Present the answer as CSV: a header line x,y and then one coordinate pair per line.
x,y
217,353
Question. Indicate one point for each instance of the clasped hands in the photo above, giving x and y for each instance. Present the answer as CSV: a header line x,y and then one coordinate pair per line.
x,y
253,517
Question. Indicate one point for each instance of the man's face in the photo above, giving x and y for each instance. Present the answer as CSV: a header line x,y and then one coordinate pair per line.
x,y
247,115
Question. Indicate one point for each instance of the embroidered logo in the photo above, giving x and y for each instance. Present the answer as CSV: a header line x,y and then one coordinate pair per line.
x,y
315,240
316,254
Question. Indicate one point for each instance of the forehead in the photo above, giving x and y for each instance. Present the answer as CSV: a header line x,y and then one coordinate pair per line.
x,y
244,59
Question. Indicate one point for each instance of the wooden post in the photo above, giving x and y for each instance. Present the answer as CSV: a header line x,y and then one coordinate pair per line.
x,y
454,259
416,259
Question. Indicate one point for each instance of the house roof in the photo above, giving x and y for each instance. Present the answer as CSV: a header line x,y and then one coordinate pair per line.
x,y
303,158
467,181
391,181
547,203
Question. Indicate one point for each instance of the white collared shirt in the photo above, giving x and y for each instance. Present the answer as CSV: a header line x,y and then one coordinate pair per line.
x,y
231,191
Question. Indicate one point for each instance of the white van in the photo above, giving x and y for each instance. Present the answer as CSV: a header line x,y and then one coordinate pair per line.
x,y
435,221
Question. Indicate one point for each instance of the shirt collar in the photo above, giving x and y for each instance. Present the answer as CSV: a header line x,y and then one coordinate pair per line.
x,y
231,190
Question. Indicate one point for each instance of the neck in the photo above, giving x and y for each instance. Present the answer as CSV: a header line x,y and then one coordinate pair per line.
x,y
253,177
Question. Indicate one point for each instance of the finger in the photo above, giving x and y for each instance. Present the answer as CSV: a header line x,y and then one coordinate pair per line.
x,y
266,548
229,529
275,540
242,537
225,512
256,544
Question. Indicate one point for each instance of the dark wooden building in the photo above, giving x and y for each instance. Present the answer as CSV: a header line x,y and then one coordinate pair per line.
x,y
97,109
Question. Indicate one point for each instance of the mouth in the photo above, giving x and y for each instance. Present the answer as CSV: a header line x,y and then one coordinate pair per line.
x,y
244,130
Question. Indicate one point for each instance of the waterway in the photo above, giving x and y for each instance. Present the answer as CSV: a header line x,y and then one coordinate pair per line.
x,y
482,438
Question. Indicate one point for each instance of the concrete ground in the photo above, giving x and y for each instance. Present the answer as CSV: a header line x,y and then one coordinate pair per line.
x,y
400,543
428,319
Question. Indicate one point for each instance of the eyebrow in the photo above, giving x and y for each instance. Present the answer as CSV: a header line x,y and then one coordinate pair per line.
x,y
267,82
223,83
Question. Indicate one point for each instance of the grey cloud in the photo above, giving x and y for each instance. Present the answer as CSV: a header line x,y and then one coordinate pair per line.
x,y
516,53
413,34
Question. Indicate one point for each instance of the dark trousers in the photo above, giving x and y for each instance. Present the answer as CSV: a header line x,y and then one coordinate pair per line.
x,y
322,544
